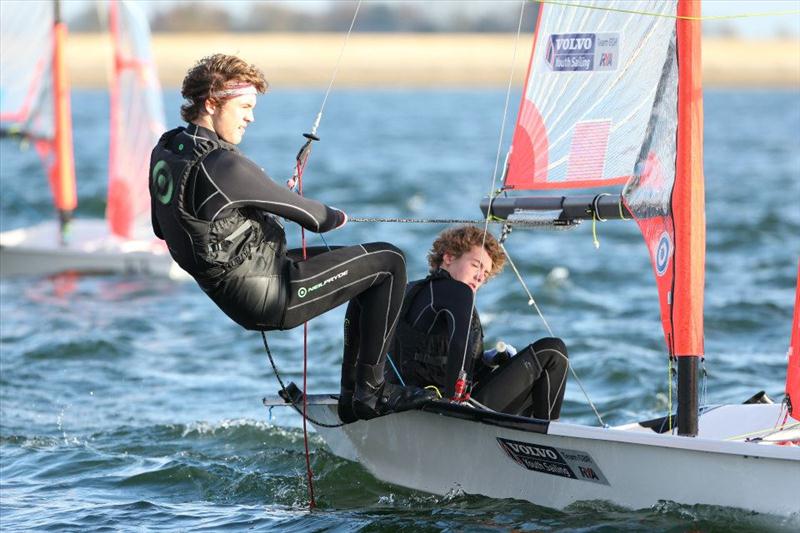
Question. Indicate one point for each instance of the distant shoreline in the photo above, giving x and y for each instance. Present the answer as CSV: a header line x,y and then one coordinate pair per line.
x,y
408,60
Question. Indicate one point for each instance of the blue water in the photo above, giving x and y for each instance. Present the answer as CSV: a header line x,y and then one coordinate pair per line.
x,y
133,403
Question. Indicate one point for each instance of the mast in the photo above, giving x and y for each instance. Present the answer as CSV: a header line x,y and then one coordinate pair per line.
x,y
62,173
688,204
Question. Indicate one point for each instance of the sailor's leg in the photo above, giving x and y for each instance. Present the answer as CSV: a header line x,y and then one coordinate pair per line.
x,y
352,333
375,273
508,388
531,383
548,389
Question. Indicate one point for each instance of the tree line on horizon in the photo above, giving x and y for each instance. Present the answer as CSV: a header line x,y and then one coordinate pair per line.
x,y
199,17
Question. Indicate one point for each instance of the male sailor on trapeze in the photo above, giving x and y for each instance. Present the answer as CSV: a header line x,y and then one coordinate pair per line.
x,y
218,212
439,340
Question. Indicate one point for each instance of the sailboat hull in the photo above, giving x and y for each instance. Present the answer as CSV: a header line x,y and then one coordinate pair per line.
x,y
557,464
36,251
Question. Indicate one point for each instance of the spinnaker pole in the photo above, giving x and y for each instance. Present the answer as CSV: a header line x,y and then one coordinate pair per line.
x,y
688,206
62,171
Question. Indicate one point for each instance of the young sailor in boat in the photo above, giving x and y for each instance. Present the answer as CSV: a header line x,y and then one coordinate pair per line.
x,y
219,213
439,340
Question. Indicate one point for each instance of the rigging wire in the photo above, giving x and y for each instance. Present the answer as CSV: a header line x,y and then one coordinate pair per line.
x,y
525,222
494,175
532,302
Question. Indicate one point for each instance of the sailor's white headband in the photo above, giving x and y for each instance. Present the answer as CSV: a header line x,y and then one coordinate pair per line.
x,y
234,89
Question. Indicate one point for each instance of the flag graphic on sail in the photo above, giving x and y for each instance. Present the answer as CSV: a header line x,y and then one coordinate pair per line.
x,y
137,121
613,97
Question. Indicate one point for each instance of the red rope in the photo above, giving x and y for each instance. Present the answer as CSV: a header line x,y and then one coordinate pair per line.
x,y
310,474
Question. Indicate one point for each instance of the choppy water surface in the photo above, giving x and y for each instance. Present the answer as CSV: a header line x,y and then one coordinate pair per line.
x,y
132,403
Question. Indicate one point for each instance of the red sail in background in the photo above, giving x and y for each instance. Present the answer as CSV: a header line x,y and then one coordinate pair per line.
x,y
137,121
62,172
793,369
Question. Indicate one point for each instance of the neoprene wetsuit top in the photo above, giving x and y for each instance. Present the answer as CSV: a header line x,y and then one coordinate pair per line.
x,y
435,333
217,211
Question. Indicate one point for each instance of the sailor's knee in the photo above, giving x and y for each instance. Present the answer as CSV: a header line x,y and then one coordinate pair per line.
x,y
551,343
384,247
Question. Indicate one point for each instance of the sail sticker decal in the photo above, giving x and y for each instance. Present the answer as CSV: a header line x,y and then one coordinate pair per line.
x,y
560,462
663,253
583,52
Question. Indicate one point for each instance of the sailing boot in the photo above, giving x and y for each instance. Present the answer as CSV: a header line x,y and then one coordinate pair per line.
x,y
376,397
345,406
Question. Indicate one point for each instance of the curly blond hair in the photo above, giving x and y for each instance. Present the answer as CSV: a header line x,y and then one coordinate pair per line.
x,y
209,76
459,240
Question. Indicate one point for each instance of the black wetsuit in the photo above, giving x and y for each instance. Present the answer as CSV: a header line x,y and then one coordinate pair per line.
x,y
218,212
436,337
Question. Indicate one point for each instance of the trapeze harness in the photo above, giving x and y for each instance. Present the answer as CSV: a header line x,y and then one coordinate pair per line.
x,y
427,352
429,343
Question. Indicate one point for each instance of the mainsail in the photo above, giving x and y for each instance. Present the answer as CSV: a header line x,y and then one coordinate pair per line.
x,y
614,96
34,91
137,120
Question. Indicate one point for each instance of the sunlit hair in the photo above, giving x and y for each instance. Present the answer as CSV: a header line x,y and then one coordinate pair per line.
x,y
458,241
209,77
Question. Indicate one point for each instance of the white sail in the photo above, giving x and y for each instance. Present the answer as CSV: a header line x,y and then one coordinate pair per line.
x,y
592,79
26,55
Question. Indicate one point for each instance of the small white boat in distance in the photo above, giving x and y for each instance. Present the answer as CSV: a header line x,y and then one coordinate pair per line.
x,y
38,251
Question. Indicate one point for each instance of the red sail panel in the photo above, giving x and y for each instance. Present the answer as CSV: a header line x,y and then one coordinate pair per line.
x,y
589,90
793,369
688,200
137,121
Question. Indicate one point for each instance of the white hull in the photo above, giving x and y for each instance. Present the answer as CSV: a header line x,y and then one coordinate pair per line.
x,y
36,251
445,451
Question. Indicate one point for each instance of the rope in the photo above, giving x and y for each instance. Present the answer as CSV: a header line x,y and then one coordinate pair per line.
x,y
669,393
677,17
286,393
765,432
297,179
336,69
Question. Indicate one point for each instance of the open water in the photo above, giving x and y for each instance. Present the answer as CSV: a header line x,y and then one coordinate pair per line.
x,y
135,404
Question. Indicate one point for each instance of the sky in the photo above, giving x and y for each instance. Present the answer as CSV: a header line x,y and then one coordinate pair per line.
x,y
760,27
